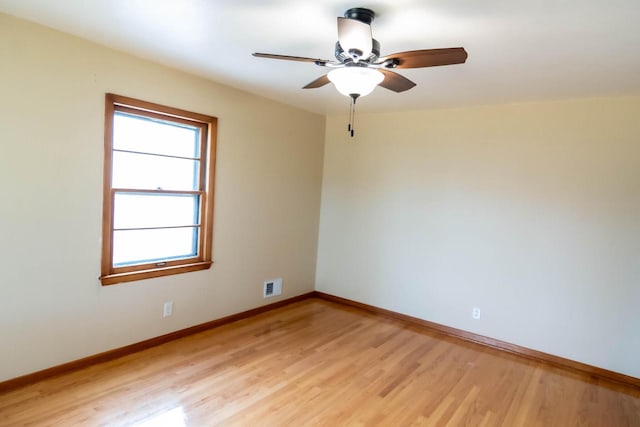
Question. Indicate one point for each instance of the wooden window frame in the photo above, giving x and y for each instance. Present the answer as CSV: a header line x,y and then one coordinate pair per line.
x,y
203,260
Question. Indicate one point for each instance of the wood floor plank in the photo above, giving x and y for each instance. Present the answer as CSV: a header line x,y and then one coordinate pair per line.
x,y
317,363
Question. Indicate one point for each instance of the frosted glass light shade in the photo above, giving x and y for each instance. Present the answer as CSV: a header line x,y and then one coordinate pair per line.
x,y
355,80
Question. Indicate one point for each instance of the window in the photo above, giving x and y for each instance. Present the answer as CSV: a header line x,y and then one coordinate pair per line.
x,y
158,190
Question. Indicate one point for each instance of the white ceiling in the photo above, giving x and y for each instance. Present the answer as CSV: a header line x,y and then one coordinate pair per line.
x,y
519,51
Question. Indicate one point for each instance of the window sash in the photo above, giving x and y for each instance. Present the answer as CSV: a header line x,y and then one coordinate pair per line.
x,y
196,225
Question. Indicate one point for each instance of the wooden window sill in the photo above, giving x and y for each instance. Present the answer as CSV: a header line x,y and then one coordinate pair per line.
x,y
112,279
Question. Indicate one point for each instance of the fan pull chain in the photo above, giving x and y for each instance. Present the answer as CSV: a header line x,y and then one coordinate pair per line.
x,y
349,127
352,114
353,119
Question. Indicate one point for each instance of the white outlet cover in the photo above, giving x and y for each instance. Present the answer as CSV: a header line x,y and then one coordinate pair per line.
x,y
276,287
475,313
167,309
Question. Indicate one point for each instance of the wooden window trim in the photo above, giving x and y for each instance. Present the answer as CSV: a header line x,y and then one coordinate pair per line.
x,y
111,275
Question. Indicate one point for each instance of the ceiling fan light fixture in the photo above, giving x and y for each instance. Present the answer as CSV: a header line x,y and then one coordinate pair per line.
x,y
359,81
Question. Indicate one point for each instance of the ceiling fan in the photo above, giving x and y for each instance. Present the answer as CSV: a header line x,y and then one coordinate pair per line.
x,y
359,68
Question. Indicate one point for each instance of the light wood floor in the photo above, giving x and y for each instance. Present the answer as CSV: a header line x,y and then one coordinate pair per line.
x,y
319,363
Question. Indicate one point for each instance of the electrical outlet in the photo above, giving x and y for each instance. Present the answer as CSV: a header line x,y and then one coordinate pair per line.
x,y
475,313
272,288
167,309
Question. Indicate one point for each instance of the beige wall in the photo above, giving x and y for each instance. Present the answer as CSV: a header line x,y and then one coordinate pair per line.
x,y
54,310
530,212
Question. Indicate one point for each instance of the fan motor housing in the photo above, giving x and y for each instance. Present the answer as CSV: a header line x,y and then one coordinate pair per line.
x,y
344,57
360,14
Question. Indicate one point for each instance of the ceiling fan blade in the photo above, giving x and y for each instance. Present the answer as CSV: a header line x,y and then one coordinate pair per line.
x,y
355,38
291,58
395,82
319,82
427,57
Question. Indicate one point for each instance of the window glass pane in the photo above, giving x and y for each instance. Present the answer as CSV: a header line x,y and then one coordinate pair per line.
x,y
140,246
136,210
143,171
147,135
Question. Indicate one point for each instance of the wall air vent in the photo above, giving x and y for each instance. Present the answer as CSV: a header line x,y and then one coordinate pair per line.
x,y
272,288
